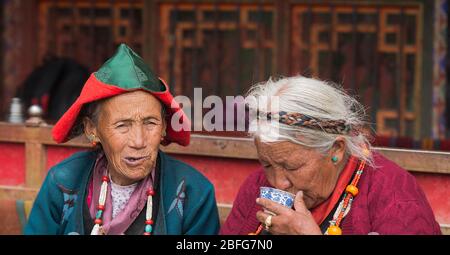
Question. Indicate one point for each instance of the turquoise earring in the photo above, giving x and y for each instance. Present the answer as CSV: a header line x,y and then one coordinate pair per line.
x,y
334,159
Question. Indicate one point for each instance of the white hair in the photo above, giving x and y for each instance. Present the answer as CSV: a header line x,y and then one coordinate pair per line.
x,y
317,99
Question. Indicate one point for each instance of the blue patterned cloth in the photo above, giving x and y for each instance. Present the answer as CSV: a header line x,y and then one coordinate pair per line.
x,y
187,201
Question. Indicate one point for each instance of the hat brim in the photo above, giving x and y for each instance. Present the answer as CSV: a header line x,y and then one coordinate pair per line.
x,y
94,90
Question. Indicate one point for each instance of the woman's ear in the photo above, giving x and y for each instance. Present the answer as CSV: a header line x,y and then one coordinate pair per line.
x,y
90,130
338,150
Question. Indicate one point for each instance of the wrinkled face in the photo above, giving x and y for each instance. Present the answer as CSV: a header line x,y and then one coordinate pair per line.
x,y
292,167
130,128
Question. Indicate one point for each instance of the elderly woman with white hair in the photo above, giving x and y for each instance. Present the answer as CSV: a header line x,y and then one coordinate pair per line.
x,y
310,143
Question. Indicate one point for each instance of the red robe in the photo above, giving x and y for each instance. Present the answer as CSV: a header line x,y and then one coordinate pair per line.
x,y
389,202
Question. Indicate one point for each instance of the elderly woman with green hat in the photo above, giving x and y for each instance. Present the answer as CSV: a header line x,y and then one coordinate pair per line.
x,y
126,184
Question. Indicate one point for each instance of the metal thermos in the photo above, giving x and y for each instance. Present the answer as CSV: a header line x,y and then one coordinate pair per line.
x,y
15,112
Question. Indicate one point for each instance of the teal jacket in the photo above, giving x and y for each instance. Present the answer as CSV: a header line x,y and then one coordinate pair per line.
x,y
187,203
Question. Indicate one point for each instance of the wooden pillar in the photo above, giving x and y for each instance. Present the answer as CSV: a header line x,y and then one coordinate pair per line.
x,y
35,157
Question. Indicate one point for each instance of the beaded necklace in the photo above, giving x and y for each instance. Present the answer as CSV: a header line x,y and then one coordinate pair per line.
x,y
346,203
344,206
97,229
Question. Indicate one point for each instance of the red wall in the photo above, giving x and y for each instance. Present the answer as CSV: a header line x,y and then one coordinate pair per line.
x,y
56,154
226,174
12,164
437,190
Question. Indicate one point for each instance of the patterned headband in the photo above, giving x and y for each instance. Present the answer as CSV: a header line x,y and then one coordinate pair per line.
x,y
301,120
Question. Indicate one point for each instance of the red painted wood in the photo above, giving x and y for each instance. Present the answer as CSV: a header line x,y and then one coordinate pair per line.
x,y
227,175
437,190
12,164
57,154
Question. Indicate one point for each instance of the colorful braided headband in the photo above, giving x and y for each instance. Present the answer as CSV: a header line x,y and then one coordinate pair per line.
x,y
301,120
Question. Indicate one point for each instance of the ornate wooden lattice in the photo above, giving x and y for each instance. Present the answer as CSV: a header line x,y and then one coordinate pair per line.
x,y
223,48
374,50
89,30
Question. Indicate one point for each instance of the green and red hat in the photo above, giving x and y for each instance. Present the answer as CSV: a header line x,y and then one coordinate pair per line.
x,y
122,73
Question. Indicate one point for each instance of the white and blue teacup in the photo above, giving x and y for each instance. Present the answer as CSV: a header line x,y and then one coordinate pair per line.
x,y
279,196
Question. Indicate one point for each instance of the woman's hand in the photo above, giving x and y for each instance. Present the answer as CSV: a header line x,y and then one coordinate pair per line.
x,y
287,221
